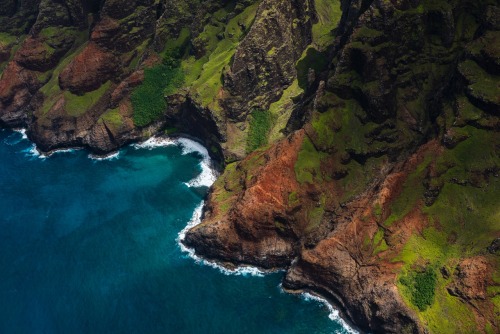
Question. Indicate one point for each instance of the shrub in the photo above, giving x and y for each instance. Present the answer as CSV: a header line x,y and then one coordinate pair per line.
x,y
260,125
148,99
421,286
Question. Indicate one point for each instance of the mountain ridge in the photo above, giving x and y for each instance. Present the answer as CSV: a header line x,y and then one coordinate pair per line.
x,y
360,138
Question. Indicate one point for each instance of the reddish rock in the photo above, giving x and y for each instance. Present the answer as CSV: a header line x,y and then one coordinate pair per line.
x,y
249,233
89,70
34,54
470,279
125,87
105,31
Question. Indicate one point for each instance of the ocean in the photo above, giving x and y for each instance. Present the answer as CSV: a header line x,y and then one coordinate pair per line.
x,y
91,245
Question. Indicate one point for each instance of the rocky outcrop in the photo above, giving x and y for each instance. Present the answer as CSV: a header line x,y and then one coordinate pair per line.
x,y
404,82
264,63
258,228
385,134
89,70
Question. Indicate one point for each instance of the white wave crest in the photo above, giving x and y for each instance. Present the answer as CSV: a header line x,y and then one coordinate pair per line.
x,y
155,142
334,314
108,157
33,152
207,176
22,132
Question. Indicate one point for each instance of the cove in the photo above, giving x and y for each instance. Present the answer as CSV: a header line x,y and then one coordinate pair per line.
x,y
89,246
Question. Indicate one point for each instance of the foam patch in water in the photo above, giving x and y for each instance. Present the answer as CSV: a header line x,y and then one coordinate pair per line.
x,y
155,142
334,314
207,176
108,157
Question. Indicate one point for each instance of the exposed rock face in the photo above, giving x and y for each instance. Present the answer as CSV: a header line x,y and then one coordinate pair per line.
x,y
381,123
254,232
471,279
265,61
89,70
407,77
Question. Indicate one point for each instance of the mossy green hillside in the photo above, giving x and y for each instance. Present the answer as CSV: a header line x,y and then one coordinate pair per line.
x,y
204,75
226,188
312,60
51,89
308,164
329,14
148,99
6,39
463,221
112,119
259,127
420,286
482,85
76,105
10,44
282,109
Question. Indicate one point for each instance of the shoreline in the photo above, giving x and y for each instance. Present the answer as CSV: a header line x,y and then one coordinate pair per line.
x,y
216,164
206,178
334,314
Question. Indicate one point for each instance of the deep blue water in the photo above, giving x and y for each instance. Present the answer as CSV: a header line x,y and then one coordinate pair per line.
x,y
91,246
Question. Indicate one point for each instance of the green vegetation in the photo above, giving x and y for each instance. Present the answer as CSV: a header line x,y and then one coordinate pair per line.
x,y
421,286
8,42
293,198
281,110
314,59
204,75
51,89
482,84
308,165
6,39
329,14
112,118
148,100
260,124
76,105
379,242
413,191
315,215
462,222
226,188
377,210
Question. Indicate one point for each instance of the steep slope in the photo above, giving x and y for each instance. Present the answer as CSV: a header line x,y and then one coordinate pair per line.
x,y
360,138
386,201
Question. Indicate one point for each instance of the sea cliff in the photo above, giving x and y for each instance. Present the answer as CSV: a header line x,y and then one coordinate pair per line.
x,y
359,138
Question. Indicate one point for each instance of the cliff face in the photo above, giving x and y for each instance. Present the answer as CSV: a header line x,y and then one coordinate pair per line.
x,y
379,198
360,137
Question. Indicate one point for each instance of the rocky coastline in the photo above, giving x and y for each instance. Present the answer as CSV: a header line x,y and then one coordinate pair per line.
x,y
358,140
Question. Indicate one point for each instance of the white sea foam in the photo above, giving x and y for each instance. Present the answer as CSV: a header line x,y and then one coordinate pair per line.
x,y
108,157
195,220
334,314
33,152
207,176
14,139
155,142
22,132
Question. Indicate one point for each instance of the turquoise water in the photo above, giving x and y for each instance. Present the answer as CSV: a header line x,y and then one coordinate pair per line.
x,y
91,246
